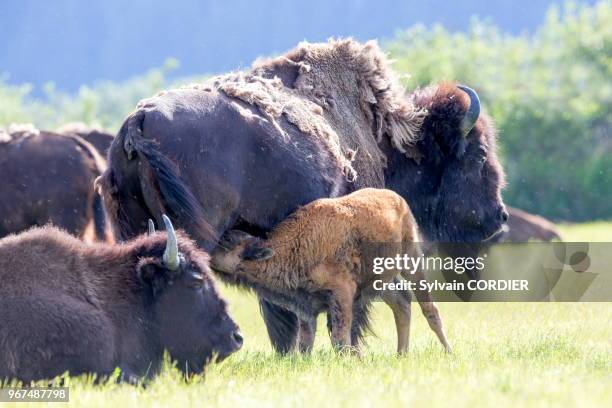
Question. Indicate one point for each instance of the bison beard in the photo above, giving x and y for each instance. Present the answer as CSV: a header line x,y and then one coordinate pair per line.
x,y
245,150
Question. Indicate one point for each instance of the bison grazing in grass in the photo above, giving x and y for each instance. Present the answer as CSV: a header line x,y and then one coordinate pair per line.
x,y
315,262
48,178
244,150
69,306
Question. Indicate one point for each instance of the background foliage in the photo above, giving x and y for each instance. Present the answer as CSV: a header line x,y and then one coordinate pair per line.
x,y
550,94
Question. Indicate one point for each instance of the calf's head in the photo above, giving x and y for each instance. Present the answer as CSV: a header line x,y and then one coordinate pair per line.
x,y
456,180
235,247
192,319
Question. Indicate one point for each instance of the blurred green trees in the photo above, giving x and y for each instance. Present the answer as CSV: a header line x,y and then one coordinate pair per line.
x,y
550,94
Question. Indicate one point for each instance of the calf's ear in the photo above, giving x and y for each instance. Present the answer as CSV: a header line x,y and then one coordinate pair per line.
x,y
152,273
256,252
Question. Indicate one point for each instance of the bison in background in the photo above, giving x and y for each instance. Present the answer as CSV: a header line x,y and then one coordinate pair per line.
x,y
69,306
244,150
523,227
48,178
97,137
101,140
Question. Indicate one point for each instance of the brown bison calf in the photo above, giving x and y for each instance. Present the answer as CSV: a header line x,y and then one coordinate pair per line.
x,y
66,306
313,261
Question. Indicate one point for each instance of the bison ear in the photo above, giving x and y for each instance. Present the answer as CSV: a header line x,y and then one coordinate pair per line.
x,y
256,252
452,113
152,274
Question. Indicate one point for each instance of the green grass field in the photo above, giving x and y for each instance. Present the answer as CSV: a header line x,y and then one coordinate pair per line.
x,y
505,354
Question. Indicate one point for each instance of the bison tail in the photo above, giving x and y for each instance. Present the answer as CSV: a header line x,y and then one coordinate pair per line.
x,y
362,324
165,192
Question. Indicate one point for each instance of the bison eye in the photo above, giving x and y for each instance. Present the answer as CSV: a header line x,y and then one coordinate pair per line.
x,y
197,281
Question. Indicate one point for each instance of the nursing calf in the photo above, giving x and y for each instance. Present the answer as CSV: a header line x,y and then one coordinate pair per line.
x,y
313,262
69,306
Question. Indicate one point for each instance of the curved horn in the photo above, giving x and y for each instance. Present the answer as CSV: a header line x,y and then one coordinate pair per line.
x,y
471,115
171,254
151,227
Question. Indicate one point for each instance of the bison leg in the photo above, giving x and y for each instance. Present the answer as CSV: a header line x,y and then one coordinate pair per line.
x,y
306,335
281,324
428,307
399,302
341,314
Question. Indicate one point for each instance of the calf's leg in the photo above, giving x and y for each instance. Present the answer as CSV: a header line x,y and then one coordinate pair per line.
x,y
341,314
428,307
399,302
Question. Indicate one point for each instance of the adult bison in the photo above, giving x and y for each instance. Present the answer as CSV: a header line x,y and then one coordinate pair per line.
x,y
246,149
97,137
69,306
101,140
48,178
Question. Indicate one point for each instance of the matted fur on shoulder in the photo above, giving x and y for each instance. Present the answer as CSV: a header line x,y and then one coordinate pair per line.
x,y
376,82
360,98
342,93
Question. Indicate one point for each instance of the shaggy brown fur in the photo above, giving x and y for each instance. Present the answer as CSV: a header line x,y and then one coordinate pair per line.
x,y
322,248
244,150
48,178
70,306
335,81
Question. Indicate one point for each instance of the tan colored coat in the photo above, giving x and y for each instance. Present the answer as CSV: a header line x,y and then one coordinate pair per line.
x,y
321,248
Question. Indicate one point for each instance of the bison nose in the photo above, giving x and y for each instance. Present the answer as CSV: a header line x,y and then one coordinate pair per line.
x,y
504,215
237,336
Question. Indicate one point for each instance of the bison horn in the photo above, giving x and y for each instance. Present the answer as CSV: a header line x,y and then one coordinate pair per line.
x,y
171,254
151,227
471,116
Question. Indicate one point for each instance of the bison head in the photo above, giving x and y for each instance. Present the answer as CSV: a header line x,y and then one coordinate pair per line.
x,y
453,180
191,317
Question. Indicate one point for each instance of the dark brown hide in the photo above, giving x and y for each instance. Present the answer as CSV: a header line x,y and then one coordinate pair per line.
x,y
48,178
70,306
244,150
